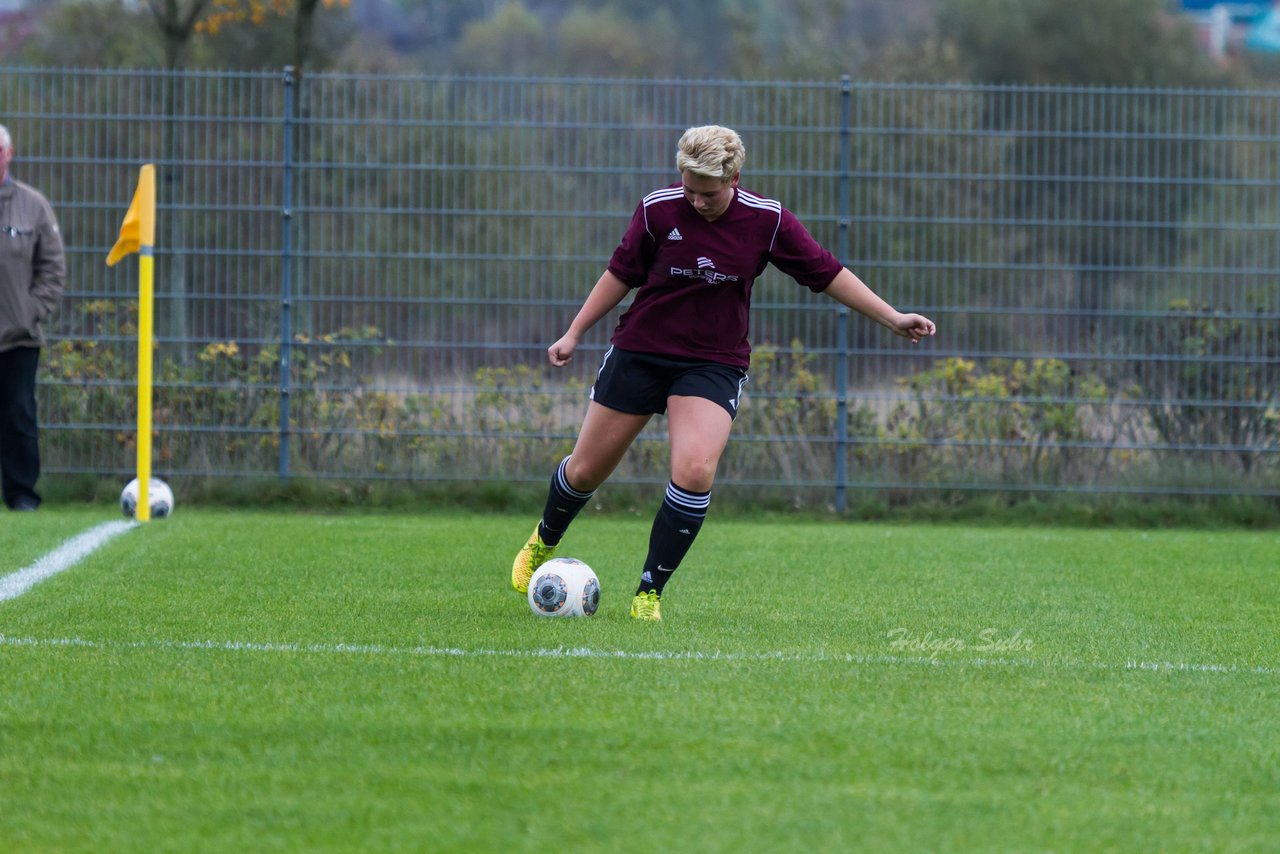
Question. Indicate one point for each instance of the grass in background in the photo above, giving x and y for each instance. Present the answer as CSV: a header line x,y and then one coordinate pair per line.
x,y
231,681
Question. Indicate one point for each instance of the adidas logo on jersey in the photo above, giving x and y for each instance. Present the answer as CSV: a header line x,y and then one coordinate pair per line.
x,y
703,263
674,235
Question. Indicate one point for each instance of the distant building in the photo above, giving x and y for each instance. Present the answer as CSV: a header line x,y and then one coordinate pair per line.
x,y
1229,28
1264,37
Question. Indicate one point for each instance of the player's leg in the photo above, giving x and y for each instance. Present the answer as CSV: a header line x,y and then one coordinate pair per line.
x,y
699,430
605,436
602,442
627,392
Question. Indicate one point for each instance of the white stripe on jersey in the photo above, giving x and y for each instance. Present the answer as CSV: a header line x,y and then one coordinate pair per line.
x,y
753,201
664,195
759,201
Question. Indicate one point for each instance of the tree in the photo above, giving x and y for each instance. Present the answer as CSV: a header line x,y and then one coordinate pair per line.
x,y
224,13
428,27
122,39
193,34
177,22
816,39
1087,42
604,43
513,40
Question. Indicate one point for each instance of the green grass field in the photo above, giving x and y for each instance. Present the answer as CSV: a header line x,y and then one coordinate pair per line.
x,y
244,681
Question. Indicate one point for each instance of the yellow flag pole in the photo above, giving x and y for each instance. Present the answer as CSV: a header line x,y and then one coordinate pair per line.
x,y
138,234
146,299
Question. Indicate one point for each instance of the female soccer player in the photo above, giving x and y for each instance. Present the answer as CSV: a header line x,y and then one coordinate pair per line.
x,y
691,254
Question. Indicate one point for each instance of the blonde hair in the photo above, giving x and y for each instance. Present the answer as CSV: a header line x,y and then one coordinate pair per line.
x,y
712,151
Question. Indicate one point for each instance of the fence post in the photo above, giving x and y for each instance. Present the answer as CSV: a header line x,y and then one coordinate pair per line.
x,y
286,269
842,313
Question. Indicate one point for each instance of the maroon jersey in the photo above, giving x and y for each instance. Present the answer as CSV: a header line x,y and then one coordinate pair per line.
x,y
694,277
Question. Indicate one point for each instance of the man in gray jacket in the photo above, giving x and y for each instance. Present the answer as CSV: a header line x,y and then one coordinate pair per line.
x,y
32,274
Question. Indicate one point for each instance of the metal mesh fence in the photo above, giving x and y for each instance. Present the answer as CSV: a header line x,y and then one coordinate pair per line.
x,y
357,276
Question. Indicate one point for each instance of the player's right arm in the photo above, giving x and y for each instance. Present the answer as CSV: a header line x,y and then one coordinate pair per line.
x,y
604,298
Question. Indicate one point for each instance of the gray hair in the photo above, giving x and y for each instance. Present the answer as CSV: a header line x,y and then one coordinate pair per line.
x,y
711,150
6,141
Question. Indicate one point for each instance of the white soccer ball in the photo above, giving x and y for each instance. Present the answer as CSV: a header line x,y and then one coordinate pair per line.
x,y
159,496
564,587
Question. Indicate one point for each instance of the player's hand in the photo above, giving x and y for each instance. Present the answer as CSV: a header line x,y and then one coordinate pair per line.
x,y
561,352
913,326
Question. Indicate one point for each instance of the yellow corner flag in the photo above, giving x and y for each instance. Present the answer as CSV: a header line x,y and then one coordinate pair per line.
x,y
138,234
139,228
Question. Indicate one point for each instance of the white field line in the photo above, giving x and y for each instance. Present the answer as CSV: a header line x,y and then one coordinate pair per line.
x,y
376,650
63,557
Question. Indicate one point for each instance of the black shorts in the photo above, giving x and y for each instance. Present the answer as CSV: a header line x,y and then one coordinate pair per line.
x,y
640,383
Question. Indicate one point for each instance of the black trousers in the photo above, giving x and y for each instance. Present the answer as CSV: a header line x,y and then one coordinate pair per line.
x,y
19,445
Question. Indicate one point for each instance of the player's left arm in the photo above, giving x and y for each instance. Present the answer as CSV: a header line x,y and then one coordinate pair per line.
x,y
847,289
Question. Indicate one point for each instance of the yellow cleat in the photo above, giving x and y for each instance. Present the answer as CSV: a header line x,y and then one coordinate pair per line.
x,y
647,606
532,555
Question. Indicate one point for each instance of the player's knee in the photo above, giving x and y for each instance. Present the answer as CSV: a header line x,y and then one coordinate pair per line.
x,y
695,475
583,476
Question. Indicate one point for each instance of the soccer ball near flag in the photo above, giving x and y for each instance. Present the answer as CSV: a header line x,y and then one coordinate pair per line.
x,y
159,496
564,587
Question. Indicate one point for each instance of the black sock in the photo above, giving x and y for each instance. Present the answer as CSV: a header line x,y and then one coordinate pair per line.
x,y
674,528
563,504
